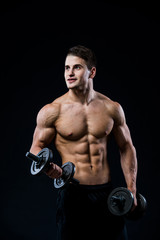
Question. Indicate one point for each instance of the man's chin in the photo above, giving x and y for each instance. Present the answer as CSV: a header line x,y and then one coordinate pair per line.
x,y
71,86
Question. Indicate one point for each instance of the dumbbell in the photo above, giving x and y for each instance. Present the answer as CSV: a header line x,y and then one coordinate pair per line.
x,y
120,203
41,163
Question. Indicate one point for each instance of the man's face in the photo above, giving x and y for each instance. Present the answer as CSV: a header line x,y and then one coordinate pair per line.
x,y
76,72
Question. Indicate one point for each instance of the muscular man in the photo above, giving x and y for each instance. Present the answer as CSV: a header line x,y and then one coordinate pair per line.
x,y
79,123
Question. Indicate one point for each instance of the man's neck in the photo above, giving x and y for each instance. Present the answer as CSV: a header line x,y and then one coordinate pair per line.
x,y
85,95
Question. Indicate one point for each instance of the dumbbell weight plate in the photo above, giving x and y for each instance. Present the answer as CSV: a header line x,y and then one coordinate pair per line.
x,y
120,201
67,175
140,209
142,203
46,156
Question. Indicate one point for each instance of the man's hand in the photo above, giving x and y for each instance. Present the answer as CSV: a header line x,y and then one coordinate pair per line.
x,y
133,191
54,171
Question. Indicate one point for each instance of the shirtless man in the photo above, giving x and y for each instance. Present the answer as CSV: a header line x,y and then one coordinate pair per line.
x,y
79,123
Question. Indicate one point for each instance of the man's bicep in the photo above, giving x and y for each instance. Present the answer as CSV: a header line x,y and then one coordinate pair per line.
x,y
122,135
44,131
43,136
121,131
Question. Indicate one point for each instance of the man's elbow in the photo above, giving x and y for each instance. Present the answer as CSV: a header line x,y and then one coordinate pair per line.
x,y
128,147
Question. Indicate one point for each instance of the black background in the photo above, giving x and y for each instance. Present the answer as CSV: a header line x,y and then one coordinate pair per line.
x,y
35,36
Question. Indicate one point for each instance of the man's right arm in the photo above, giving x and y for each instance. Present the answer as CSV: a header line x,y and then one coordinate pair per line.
x,y
44,134
44,131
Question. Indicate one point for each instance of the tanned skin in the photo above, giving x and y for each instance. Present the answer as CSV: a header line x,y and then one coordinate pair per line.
x,y
80,123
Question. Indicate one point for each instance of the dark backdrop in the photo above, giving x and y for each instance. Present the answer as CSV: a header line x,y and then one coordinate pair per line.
x,y
35,36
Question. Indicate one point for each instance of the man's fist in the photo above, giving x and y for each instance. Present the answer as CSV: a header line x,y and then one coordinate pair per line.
x,y
54,171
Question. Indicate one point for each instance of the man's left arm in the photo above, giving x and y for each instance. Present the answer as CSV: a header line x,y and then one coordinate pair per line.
x,y
127,150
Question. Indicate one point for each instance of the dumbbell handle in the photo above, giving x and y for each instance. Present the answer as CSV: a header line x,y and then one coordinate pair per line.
x,y
33,157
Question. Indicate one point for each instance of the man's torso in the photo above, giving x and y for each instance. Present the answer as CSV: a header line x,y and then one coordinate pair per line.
x,y
81,137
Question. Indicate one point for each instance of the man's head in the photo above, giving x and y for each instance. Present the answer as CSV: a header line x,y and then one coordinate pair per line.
x,y
84,53
80,65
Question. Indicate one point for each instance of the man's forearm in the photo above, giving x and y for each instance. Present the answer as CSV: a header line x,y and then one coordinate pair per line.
x,y
129,166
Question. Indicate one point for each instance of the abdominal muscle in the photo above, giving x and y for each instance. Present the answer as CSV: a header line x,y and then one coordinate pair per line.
x,y
89,155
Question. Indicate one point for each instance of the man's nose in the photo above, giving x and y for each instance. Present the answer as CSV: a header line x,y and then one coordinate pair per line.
x,y
71,72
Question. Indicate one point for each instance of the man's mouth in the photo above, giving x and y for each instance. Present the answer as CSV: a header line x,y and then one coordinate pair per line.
x,y
71,80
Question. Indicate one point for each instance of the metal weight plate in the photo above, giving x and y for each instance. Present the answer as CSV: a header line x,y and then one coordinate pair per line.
x,y
120,201
67,175
142,203
45,155
140,209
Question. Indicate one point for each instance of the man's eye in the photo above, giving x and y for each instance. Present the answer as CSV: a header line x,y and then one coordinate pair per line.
x,y
67,67
77,67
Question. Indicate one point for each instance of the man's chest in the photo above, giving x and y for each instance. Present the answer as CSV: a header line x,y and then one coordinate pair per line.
x,y
75,121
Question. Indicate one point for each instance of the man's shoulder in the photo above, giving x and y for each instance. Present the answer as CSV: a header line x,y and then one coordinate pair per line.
x,y
107,101
55,105
50,111
60,100
113,107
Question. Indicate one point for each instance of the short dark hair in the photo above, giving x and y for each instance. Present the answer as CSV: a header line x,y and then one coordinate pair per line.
x,y
84,53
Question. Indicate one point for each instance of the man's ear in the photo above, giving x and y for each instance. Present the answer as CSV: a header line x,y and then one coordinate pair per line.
x,y
93,72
